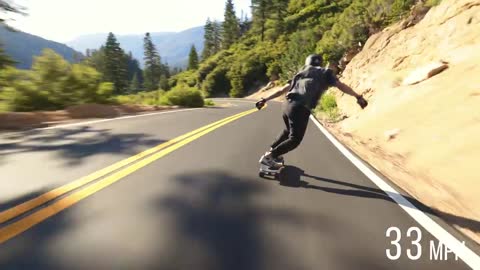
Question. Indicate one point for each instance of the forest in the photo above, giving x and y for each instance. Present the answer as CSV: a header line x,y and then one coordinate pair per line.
x,y
242,54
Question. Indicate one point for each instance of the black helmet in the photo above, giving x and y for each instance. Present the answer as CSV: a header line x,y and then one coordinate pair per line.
x,y
314,60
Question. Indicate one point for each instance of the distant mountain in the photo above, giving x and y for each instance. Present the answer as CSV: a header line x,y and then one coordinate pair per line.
x,y
22,47
172,46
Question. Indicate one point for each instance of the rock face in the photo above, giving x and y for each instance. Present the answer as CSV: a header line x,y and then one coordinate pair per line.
x,y
436,155
425,73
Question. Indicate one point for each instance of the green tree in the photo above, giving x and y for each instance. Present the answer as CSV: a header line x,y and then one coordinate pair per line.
x,y
163,82
217,37
231,28
275,23
133,69
115,69
208,40
5,60
245,24
301,44
96,59
153,66
193,58
134,84
259,13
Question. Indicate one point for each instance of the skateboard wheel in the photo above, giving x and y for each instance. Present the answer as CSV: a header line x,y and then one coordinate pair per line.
x,y
261,174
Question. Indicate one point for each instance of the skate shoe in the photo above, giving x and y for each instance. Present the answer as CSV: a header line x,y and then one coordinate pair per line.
x,y
268,161
279,159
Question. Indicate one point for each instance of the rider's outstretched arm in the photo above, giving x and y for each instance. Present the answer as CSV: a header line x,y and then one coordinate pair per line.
x,y
346,89
278,93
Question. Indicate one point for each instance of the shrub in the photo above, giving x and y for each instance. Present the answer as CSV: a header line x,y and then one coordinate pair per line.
x,y
19,93
184,96
52,84
327,108
328,102
143,98
209,102
216,83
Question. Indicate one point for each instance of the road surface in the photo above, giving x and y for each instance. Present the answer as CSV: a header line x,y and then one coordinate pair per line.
x,y
198,202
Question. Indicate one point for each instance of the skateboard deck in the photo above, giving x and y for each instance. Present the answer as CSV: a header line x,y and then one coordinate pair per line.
x,y
266,171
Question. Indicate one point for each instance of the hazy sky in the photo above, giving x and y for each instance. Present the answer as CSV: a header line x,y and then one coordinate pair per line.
x,y
63,20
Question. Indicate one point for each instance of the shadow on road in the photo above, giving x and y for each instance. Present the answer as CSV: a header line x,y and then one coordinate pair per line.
x,y
74,144
31,252
292,177
7,204
220,225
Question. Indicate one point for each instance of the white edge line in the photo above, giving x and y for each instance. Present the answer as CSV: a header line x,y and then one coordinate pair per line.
x,y
462,251
112,119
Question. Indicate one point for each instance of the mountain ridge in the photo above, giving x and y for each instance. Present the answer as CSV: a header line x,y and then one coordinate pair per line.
x,y
22,47
172,46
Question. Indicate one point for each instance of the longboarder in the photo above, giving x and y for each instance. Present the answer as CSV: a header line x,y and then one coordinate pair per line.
x,y
302,95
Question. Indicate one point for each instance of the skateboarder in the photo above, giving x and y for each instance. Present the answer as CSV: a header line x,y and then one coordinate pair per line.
x,y
304,92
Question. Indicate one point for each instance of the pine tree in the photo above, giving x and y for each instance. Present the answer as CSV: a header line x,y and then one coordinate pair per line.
x,y
208,39
277,18
153,65
163,82
193,58
115,65
231,28
260,12
133,68
217,37
244,24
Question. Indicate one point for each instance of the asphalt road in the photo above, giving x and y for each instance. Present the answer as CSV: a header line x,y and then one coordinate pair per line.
x,y
202,205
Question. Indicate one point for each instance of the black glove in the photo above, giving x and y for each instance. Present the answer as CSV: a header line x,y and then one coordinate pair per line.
x,y
362,102
260,104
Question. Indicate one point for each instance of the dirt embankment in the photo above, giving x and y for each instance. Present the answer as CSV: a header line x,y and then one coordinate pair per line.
x,y
27,120
422,127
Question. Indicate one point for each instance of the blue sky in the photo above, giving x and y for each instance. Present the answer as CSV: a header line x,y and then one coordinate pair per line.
x,y
63,20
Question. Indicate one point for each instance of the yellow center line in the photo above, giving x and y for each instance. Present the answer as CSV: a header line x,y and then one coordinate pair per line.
x,y
55,193
27,222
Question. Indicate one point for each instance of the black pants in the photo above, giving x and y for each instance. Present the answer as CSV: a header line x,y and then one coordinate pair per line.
x,y
295,116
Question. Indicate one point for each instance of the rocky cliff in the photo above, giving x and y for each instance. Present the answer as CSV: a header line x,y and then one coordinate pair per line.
x,y
422,127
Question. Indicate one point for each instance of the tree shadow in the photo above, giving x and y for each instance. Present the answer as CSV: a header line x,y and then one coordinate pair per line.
x,y
75,144
218,224
7,204
26,253
291,177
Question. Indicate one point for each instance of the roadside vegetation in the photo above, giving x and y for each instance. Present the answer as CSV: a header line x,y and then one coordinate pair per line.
x,y
240,55
107,75
327,109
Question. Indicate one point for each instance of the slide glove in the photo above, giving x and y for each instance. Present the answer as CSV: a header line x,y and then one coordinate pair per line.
x,y
362,102
260,104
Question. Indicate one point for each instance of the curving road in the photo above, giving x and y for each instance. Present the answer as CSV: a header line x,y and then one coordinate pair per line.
x,y
197,202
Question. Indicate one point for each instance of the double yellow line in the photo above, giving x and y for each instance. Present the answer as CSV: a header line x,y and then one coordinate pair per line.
x,y
129,166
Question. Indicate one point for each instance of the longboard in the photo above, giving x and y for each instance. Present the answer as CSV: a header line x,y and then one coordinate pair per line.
x,y
266,171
